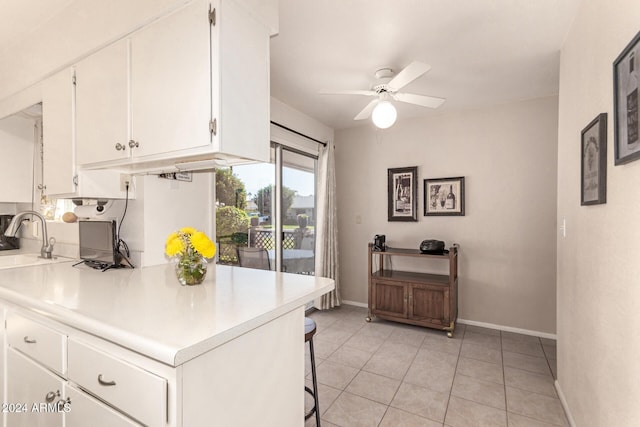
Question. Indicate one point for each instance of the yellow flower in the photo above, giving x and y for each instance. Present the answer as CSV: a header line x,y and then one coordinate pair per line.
x,y
203,245
171,237
174,246
188,230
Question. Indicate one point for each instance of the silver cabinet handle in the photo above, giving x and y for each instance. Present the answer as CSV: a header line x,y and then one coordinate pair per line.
x,y
51,396
64,404
120,147
29,340
133,144
105,383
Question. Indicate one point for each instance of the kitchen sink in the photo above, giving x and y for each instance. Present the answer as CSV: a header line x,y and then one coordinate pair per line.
x,y
26,260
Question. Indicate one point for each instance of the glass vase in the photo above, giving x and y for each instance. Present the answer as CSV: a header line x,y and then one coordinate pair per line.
x,y
191,270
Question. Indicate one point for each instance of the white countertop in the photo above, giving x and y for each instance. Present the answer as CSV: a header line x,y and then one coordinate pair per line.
x,y
146,310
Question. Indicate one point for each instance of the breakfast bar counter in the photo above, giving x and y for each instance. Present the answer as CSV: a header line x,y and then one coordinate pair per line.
x,y
212,346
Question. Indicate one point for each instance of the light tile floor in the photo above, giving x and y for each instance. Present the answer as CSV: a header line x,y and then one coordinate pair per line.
x,y
391,375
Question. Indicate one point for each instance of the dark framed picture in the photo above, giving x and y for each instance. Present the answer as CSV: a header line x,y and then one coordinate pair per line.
x,y
444,196
625,107
402,194
593,184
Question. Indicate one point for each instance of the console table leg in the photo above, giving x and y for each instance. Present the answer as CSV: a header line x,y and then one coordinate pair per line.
x,y
450,329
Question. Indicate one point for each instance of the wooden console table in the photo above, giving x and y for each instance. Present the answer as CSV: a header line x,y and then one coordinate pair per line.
x,y
422,299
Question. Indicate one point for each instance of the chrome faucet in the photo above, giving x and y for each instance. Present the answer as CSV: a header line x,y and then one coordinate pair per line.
x,y
47,244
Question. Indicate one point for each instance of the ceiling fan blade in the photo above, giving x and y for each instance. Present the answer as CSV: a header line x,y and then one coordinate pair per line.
x,y
348,92
408,74
423,100
366,111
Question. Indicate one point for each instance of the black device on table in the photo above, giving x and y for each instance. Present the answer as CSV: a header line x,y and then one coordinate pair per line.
x,y
433,247
379,243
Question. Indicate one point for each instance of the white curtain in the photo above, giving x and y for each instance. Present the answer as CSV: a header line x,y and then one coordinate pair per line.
x,y
327,226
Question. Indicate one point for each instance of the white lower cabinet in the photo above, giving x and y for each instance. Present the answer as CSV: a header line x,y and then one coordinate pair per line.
x,y
33,393
85,410
54,378
98,383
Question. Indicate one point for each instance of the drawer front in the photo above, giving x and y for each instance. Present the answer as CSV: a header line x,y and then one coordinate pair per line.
x,y
132,390
84,407
38,341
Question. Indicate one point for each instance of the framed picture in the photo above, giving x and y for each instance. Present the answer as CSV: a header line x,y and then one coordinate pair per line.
x,y
402,194
626,77
593,183
444,196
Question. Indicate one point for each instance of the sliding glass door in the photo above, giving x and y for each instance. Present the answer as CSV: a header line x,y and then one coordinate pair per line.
x,y
265,213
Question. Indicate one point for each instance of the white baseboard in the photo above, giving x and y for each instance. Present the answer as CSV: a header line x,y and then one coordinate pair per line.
x,y
565,406
481,324
508,329
355,303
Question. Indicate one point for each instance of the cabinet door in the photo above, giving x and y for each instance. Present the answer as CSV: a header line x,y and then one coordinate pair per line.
x,y
84,407
390,299
429,304
240,75
34,390
102,105
58,100
17,146
170,82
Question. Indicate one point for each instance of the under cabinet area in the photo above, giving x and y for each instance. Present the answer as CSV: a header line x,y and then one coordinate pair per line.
x,y
417,298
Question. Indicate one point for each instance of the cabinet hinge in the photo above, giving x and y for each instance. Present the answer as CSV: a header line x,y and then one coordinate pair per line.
x,y
213,126
73,79
212,16
75,180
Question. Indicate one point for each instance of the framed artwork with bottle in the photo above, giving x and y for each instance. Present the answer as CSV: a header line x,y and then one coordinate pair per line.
x,y
626,77
402,194
593,181
444,196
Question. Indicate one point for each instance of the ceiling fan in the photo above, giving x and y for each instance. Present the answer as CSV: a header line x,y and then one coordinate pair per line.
x,y
381,110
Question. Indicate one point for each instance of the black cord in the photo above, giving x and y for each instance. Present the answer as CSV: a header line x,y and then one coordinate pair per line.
x,y
126,204
121,245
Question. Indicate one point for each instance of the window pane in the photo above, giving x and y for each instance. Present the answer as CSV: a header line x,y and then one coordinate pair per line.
x,y
244,206
299,213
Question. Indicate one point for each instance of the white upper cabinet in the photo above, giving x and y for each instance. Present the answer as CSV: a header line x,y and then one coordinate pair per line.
x,y
193,85
61,176
58,104
102,105
17,139
171,83
240,75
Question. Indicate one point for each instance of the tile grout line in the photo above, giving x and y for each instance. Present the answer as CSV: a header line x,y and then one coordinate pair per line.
x,y
504,380
455,372
402,380
327,358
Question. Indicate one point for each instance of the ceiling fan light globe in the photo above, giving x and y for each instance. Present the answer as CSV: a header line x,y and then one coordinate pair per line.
x,y
384,115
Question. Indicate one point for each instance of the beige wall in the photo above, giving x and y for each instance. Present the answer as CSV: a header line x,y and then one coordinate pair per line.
x,y
598,268
508,155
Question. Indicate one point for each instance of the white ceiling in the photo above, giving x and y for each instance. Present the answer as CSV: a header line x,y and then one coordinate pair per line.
x,y
482,52
21,17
